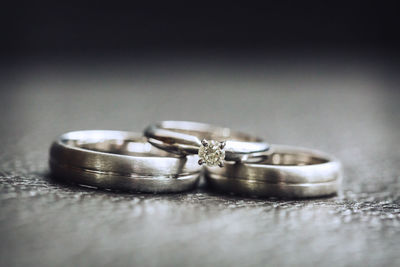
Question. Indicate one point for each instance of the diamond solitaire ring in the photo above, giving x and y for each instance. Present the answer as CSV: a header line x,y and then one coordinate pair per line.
x,y
213,144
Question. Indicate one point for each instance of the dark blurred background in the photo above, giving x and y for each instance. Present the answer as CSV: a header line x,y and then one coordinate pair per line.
x,y
50,29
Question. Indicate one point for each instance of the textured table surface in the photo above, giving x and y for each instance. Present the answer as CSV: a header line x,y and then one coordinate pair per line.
x,y
349,108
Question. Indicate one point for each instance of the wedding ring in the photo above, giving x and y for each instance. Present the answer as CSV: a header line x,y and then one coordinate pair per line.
x,y
213,144
288,172
121,160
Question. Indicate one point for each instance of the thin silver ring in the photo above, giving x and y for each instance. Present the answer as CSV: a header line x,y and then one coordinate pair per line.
x,y
289,172
120,160
213,144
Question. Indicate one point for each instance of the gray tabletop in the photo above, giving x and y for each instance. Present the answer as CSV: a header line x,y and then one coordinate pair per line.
x,y
347,107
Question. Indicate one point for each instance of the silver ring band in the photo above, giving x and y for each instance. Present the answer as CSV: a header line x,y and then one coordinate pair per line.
x,y
120,160
216,143
289,172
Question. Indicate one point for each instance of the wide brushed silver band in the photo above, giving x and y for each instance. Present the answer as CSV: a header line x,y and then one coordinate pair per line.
x,y
184,138
120,160
289,172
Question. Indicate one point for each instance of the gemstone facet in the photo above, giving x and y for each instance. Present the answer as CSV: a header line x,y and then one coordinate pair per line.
x,y
212,153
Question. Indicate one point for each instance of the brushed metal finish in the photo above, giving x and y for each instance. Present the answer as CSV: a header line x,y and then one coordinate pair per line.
x,y
184,138
115,181
264,189
288,172
120,160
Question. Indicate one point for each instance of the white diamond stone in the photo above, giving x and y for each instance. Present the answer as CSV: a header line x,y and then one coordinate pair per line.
x,y
211,153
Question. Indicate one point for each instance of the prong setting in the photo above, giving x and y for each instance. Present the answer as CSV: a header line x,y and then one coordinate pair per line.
x,y
222,144
212,153
204,142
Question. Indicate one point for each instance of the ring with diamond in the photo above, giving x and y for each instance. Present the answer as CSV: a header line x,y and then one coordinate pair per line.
x,y
120,160
213,144
288,172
